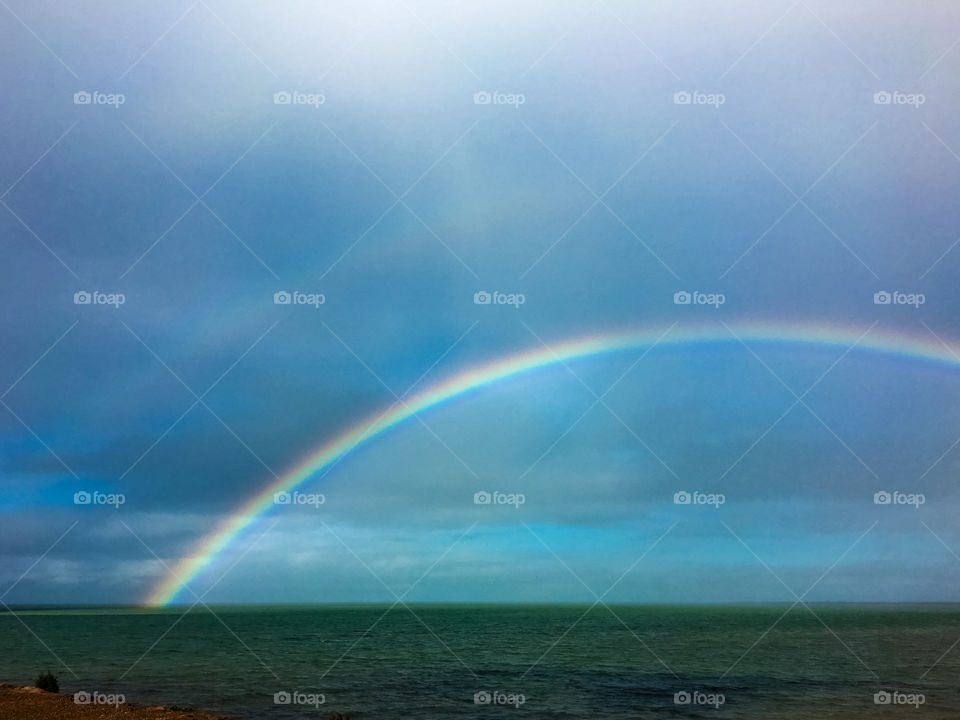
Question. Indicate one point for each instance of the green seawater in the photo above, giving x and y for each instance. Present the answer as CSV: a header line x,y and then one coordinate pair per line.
x,y
543,661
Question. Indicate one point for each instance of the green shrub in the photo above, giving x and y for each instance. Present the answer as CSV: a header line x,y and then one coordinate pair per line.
x,y
48,681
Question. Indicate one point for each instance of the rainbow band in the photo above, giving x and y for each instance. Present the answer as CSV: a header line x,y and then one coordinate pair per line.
x,y
475,378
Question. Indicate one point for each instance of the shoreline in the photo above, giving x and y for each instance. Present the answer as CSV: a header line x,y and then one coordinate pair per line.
x,y
30,703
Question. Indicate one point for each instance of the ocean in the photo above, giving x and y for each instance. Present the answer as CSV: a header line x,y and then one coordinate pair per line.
x,y
503,661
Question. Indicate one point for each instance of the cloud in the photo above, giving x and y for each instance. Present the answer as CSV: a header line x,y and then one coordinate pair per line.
x,y
501,198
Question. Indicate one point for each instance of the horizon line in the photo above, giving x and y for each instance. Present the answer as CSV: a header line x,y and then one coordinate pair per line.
x,y
12,607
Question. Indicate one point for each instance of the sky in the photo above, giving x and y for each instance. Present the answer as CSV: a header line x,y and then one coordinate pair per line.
x,y
582,166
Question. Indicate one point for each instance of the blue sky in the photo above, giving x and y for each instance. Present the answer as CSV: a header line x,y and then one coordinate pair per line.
x,y
796,195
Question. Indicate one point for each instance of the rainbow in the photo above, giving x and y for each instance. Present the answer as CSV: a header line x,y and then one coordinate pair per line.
x,y
475,378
